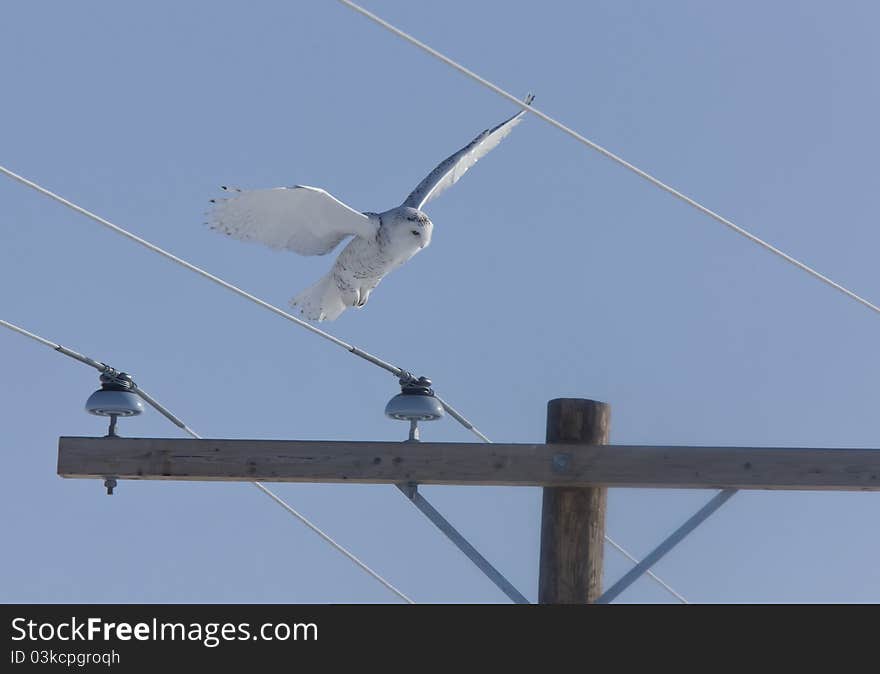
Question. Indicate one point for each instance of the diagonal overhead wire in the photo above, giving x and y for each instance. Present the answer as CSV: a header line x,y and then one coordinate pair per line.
x,y
410,492
421,503
641,567
479,560
610,155
393,369
648,571
447,529
369,357
668,543
673,539
102,367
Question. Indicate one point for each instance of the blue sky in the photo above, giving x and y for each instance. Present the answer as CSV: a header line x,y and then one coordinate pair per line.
x,y
552,273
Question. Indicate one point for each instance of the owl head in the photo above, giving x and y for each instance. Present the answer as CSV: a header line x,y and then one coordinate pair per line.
x,y
409,230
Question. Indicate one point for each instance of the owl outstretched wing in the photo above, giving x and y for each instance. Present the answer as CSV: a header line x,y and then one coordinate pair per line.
x,y
454,167
306,220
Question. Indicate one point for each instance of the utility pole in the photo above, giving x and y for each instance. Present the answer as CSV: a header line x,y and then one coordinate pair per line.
x,y
575,468
573,518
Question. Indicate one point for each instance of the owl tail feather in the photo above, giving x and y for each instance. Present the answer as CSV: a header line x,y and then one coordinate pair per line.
x,y
320,302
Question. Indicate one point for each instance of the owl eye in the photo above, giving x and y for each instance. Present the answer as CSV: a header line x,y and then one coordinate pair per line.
x,y
414,232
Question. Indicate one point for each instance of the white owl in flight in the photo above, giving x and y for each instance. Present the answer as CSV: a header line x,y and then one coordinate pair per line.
x,y
310,221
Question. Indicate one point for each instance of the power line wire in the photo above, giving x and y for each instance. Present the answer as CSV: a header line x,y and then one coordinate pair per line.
x,y
456,538
22,331
670,542
467,549
641,567
635,561
393,369
642,570
420,502
177,422
399,372
375,360
412,493
610,155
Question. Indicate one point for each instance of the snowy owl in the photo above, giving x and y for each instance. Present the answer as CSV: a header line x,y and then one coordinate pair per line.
x,y
310,221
